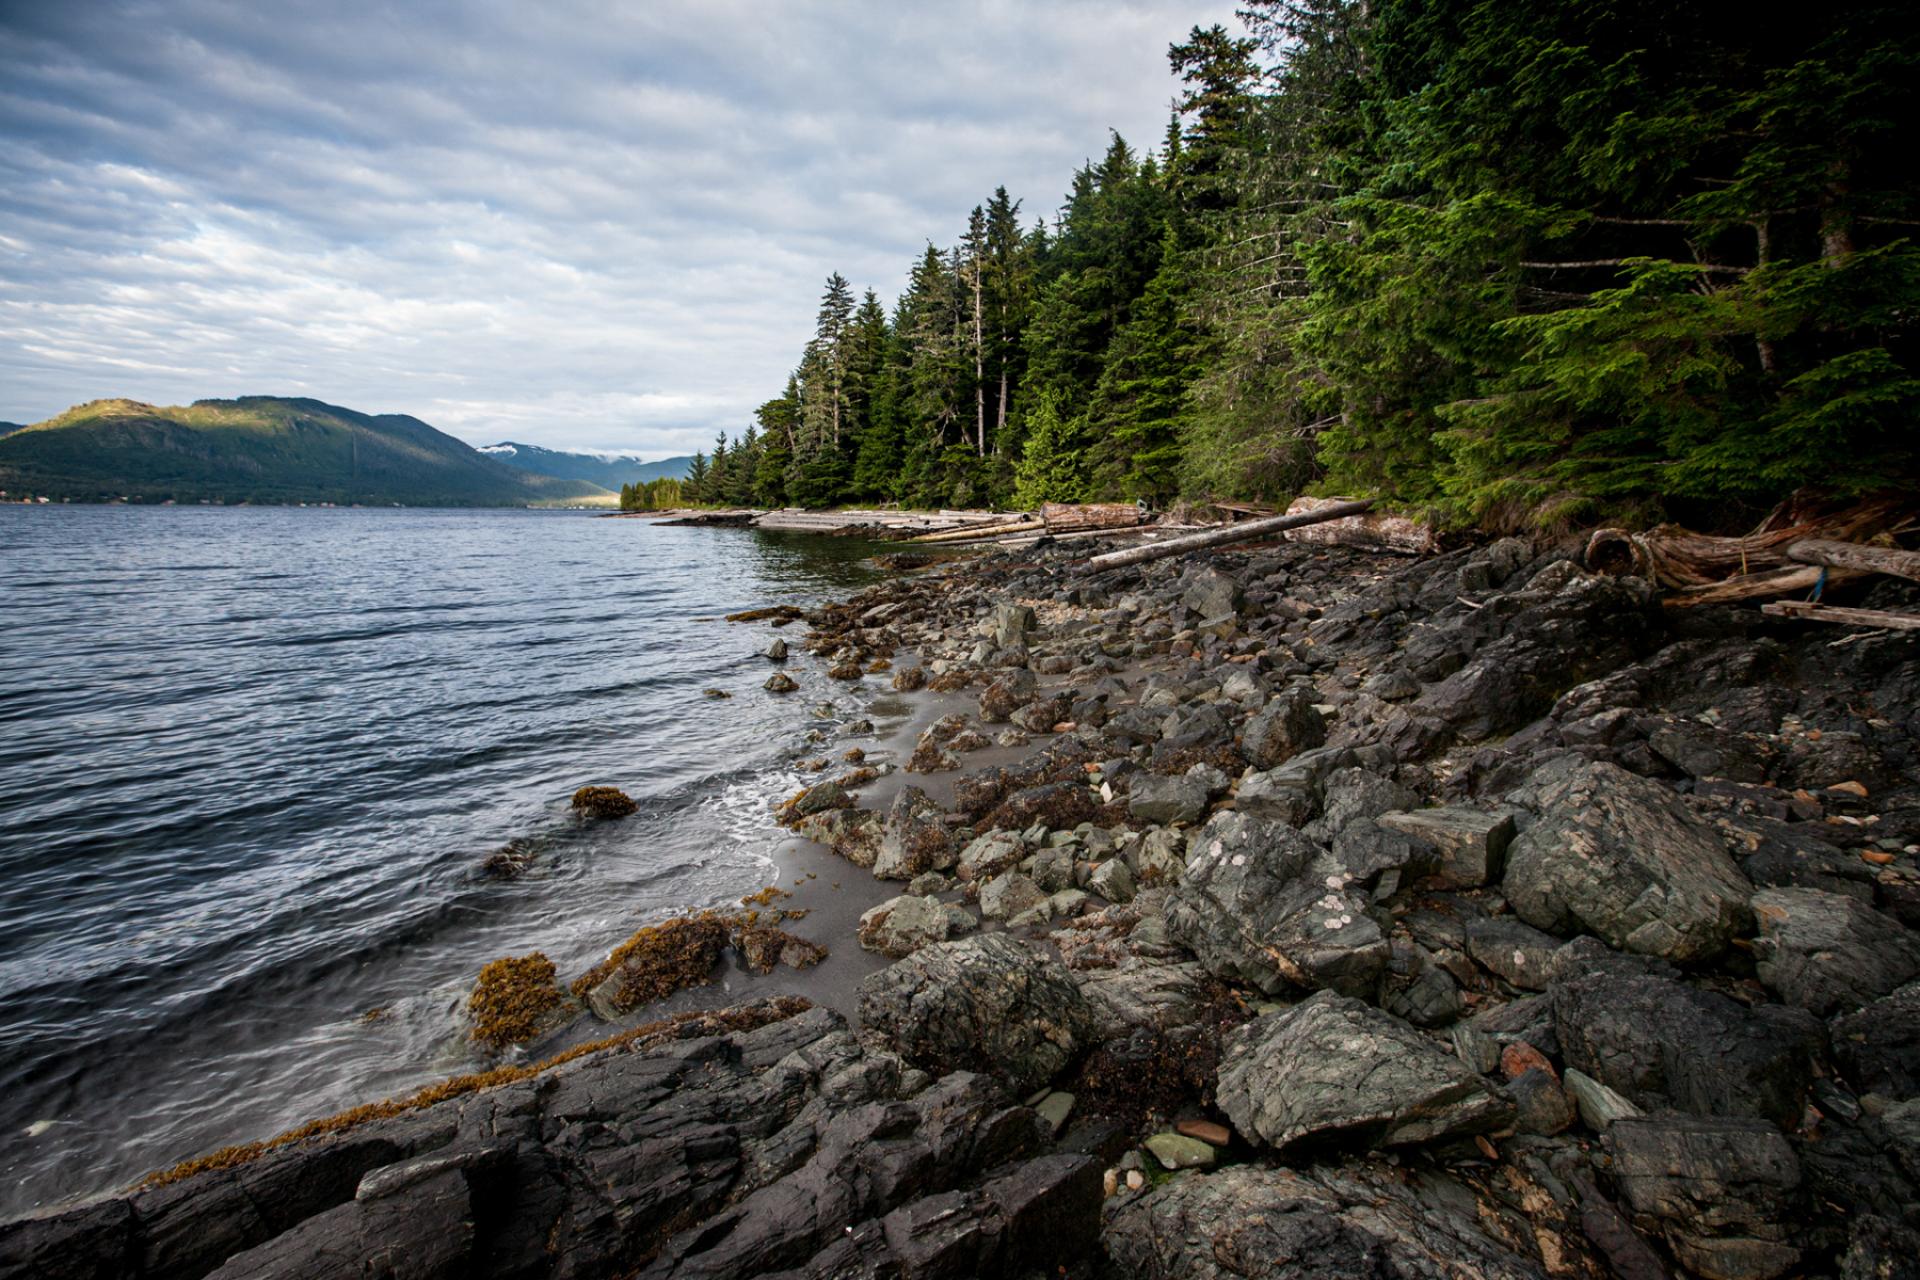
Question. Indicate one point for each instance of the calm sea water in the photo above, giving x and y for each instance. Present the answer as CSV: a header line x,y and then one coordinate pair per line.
x,y
250,760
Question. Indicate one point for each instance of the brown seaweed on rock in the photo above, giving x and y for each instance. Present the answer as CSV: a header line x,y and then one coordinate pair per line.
x,y
515,1000
603,802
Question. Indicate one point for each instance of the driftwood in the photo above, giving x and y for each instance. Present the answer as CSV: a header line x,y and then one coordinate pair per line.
x,y
1852,555
973,532
1242,532
1672,556
1759,586
1071,517
1810,612
1380,532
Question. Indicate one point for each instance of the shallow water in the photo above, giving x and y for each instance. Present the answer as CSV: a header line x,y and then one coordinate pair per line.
x,y
250,761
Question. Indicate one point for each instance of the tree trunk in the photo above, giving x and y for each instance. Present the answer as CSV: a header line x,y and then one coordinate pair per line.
x,y
1853,555
1850,617
1230,533
1763,247
979,366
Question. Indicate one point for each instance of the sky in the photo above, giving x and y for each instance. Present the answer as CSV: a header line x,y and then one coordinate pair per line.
x,y
586,224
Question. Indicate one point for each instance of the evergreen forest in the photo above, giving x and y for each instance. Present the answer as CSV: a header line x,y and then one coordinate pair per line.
x,y
1495,261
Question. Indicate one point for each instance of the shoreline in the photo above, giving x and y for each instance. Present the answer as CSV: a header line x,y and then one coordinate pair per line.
x,y
1266,905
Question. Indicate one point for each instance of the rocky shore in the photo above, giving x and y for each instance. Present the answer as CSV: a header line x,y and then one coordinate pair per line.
x,y
1297,912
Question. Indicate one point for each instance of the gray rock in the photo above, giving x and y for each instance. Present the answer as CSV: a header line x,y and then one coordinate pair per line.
x,y
1248,1222
914,839
1142,992
1052,869
988,855
1598,1105
1259,903
1878,1048
1212,594
1470,845
1112,881
1054,1109
1619,856
989,1003
1286,726
1009,624
901,926
1662,1043
1513,951
1827,953
1163,800
1722,1191
1541,1106
1176,1151
1008,895
1334,1069
777,651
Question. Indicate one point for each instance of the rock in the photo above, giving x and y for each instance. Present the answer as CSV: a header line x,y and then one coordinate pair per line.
x,y
1513,951
1286,726
818,798
1162,800
988,855
1008,895
603,802
1009,624
1598,1105
1212,594
1470,845
1112,881
780,682
1662,1043
1216,1135
776,652
1053,870
1054,1109
901,926
854,834
1333,1069
1248,1222
913,839
1619,856
1259,903
1722,1191
1006,695
1175,1151
1541,1105
1878,1048
910,679
1827,953
989,1003
1142,992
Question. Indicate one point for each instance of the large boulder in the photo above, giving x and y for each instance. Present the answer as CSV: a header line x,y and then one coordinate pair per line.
x,y
1007,695
1281,730
1828,953
1722,1191
1162,800
1334,1070
1142,992
1212,594
1661,1043
1469,845
1619,856
1254,1223
1260,903
990,1003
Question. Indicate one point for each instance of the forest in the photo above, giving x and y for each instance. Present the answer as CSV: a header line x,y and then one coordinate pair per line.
x,y
1497,262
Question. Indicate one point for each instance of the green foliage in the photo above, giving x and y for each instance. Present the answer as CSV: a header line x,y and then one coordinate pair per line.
x,y
1051,467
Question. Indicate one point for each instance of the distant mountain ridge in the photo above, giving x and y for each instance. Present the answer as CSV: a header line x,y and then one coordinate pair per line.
x,y
263,449
609,471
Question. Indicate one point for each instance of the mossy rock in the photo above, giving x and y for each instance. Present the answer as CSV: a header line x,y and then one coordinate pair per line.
x,y
516,1000
603,802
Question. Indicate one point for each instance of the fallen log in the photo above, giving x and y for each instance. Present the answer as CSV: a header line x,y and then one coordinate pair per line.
x,y
1807,611
1854,555
1672,556
1245,531
1376,532
1069,517
1784,581
980,531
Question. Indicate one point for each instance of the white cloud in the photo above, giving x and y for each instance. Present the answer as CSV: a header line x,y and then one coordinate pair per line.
x,y
584,224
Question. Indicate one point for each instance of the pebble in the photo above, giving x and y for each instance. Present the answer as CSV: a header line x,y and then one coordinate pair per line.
x,y
1177,1152
1207,1131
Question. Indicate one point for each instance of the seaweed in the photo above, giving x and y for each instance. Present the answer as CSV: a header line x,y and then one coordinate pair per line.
x,y
514,1000
603,802
660,960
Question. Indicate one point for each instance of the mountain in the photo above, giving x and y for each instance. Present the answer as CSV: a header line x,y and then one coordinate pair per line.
x,y
609,471
262,449
8,428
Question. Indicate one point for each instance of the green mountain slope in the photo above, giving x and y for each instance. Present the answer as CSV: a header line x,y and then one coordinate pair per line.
x,y
607,471
261,449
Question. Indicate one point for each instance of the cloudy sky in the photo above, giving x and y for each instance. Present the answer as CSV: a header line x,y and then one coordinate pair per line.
x,y
580,223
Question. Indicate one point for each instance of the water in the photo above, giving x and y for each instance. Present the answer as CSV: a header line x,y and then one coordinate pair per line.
x,y
250,760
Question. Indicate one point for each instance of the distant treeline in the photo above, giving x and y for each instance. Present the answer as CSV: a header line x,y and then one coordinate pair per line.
x,y
1482,257
662,494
